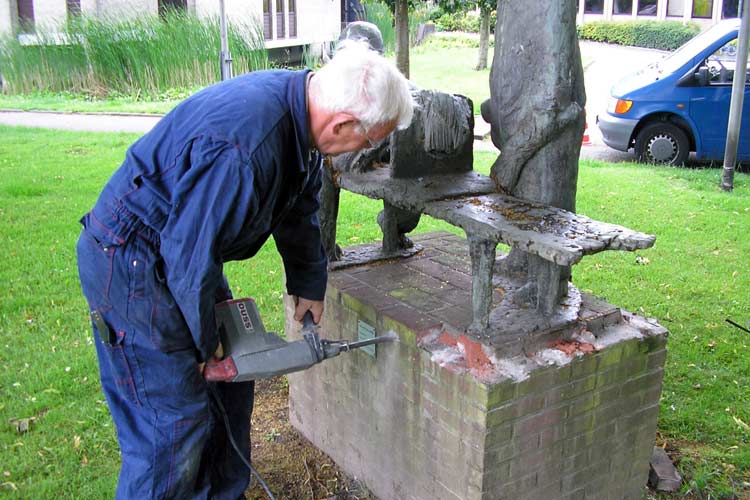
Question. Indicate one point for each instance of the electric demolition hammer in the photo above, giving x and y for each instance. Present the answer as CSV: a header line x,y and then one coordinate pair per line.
x,y
250,352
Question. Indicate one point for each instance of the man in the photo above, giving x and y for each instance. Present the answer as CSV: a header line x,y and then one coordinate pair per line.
x,y
227,168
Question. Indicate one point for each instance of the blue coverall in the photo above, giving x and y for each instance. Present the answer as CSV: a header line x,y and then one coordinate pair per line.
x,y
227,168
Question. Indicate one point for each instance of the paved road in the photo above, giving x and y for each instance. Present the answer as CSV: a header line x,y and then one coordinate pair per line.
x,y
605,65
89,122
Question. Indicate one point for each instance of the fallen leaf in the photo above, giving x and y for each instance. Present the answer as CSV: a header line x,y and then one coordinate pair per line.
x,y
76,441
741,423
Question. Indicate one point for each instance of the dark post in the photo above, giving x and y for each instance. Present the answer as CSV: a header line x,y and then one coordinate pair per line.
x,y
225,58
735,106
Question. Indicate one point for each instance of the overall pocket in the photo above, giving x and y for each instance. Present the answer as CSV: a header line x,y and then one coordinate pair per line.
x,y
117,348
151,305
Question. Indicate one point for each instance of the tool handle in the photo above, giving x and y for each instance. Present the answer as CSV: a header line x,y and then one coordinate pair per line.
x,y
223,370
307,321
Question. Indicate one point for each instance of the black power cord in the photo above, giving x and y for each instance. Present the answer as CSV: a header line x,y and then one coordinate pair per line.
x,y
217,400
738,326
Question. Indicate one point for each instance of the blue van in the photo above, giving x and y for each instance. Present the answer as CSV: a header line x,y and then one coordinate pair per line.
x,y
681,103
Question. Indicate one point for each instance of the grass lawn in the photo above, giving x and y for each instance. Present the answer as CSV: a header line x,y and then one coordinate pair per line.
x,y
695,277
80,104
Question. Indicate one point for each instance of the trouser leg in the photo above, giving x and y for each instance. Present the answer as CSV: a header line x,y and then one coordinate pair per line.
x,y
163,419
166,425
229,474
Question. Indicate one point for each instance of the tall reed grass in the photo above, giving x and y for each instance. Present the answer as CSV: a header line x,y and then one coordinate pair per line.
x,y
379,14
142,56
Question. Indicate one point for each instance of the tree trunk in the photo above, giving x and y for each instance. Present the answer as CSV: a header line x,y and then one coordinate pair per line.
x,y
536,109
402,37
484,37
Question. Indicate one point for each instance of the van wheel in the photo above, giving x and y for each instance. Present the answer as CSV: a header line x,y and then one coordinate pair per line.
x,y
662,143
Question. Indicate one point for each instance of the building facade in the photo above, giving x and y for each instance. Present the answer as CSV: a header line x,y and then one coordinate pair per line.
x,y
286,23
703,12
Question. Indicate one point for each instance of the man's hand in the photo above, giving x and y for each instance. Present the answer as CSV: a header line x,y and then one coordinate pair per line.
x,y
217,356
303,305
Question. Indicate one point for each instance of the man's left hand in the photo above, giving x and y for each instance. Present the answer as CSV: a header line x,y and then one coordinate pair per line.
x,y
303,305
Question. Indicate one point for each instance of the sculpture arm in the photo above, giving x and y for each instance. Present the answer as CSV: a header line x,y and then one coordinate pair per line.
x,y
520,148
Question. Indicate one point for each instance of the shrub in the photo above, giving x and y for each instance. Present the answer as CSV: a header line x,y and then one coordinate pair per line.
x,y
452,41
462,21
665,35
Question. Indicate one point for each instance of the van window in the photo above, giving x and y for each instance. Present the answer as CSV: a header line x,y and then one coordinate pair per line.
x,y
722,64
687,52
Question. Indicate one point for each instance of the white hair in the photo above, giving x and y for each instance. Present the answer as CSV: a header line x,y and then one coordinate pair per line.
x,y
363,83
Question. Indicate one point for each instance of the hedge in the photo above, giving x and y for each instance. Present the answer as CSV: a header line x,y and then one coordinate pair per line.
x,y
462,21
665,35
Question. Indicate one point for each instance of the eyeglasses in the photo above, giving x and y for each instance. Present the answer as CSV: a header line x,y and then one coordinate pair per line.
x,y
373,143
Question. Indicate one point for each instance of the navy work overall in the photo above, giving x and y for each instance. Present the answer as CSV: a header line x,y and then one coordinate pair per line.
x,y
226,169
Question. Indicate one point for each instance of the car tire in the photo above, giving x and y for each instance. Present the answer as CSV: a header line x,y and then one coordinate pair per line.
x,y
662,143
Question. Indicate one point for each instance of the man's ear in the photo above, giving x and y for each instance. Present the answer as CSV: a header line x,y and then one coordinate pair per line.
x,y
341,120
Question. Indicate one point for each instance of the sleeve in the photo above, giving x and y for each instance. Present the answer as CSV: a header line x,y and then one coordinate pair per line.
x,y
210,204
299,242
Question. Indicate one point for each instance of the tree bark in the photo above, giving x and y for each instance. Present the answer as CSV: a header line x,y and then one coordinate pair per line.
x,y
484,37
402,37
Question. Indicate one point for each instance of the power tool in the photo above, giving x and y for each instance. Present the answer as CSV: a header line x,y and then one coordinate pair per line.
x,y
251,353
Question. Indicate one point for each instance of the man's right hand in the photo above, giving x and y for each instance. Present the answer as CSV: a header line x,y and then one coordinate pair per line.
x,y
303,305
216,357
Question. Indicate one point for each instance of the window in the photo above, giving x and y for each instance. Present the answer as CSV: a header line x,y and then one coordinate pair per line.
x,y
676,8
267,24
73,8
730,9
280,33
26,15
622,7
292,18
703,8
593,6
647,7
722,63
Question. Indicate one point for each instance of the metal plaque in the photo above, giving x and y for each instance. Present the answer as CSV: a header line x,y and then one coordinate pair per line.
x,y
366,332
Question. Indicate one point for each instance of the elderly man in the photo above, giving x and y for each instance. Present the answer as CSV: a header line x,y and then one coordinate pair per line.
x,y
227,168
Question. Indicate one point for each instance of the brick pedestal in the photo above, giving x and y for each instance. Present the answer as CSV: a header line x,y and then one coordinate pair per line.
x,y
442,415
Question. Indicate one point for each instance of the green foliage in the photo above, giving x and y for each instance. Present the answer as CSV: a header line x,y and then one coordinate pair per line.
x,y
665,35
448,40
140,56
463,21
419,15
465,5
381,15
